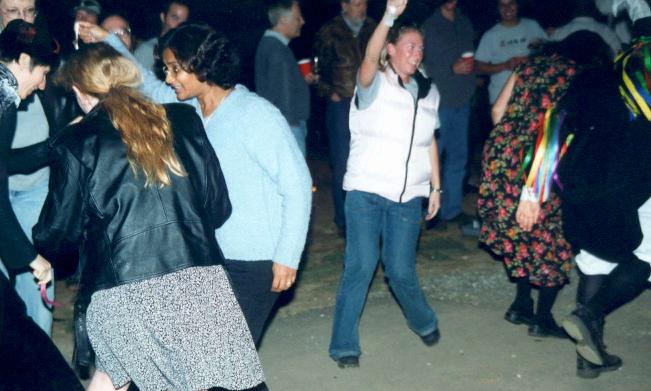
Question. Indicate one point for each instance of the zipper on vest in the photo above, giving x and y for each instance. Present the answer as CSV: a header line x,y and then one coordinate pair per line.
x,y
411,145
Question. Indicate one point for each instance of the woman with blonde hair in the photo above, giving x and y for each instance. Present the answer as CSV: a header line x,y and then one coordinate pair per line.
x,y
138,188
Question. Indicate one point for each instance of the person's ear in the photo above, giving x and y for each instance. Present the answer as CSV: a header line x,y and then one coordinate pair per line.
x,y
25,62
162,17
391,49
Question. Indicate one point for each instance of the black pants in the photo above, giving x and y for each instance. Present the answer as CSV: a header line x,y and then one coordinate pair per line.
x,y
251,282
30,360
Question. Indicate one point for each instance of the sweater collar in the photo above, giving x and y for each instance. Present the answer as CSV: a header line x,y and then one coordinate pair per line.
x,y
277,35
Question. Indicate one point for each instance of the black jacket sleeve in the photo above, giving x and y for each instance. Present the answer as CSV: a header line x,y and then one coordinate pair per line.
x,y
15,249
28,159
60,227
216,201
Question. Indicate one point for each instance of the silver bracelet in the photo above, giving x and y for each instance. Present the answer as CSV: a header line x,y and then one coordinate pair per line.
x,y
437,190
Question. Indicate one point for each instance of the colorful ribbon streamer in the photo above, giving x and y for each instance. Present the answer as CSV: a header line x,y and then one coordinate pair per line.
x,y
542,158
634,65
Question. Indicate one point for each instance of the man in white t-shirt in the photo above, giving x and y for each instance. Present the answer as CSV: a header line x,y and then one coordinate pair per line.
x,y
584,21
505,45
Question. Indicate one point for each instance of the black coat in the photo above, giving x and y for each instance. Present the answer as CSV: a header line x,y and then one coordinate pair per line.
x,y
128,232
606,173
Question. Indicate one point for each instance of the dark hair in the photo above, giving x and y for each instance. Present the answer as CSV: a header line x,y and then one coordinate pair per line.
x,y
585,48
22,37
166,6
205,52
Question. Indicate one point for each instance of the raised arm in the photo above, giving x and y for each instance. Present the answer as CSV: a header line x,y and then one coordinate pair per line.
x,y
371,61
151,86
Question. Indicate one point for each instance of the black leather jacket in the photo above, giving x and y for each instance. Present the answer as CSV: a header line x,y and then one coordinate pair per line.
x,y
126,232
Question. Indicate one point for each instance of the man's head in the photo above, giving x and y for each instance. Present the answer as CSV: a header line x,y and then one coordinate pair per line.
x,y
354,10
285,17
118,25
17,9
174,13
88,11
508,12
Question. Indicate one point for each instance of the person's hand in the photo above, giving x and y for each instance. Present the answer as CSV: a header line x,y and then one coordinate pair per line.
x,y
335,97
395,8
463,67
311,78
90,33
515,61
527,214
284,277
433,204
42,269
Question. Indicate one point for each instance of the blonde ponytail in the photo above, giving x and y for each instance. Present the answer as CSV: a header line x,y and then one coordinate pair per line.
x,y
100,71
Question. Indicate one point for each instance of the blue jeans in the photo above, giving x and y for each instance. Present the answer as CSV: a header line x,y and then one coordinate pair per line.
x,y
27,207
300,133
373,219
339,147
452,142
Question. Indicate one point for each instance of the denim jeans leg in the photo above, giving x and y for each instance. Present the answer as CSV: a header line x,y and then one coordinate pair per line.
x,y
364,216
300,133
400,237
27,206
339,148
453,147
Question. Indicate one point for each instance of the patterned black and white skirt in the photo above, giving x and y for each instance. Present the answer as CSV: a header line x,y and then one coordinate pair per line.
x,y
180,331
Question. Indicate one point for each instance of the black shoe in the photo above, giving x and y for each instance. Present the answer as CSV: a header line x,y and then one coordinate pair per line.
x,y
582,327
587,370
517,314
348,362
547,327
432,338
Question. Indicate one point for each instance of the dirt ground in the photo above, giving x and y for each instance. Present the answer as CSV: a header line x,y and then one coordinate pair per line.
x,y
469,291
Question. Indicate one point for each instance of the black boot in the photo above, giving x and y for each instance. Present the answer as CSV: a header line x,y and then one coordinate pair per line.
x,y
519,313
587,370
544,327
582,325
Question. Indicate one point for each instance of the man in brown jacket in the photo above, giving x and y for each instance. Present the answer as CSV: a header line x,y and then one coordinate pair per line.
x,y
340,47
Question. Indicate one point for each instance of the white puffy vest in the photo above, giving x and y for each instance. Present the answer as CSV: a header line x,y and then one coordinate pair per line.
x,y
390,141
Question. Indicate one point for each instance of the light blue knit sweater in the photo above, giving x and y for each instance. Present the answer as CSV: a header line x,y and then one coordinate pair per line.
x,y
268,181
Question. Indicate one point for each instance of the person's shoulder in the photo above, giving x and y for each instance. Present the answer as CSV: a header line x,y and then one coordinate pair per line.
x,y
180,112
530,24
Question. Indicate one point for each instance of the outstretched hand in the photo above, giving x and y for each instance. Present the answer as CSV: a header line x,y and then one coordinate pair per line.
x,y
90,33
395,8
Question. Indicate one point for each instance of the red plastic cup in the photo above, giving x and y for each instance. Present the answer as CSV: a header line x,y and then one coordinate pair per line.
x,y
305,66
468,57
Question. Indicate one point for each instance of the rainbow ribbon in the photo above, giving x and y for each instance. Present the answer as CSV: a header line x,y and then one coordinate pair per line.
x,y
636,84
543,157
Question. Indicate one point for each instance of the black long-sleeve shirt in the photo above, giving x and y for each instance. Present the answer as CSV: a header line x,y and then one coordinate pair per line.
x,y
16,250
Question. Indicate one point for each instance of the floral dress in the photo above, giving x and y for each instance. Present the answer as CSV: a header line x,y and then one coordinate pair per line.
x,y
543,255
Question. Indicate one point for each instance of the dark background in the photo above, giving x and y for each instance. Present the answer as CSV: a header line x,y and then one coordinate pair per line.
x,y
245,20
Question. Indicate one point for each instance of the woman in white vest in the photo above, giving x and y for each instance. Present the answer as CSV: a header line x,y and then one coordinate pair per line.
x,y
392,169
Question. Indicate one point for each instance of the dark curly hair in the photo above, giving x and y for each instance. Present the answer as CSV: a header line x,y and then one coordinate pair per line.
x,y
205,52
20,37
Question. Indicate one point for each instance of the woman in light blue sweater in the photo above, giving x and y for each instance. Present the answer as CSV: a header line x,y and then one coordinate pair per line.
x,y
268,180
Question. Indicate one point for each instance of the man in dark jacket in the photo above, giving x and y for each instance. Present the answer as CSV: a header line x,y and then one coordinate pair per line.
x,y
448,36
277,76
340,47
